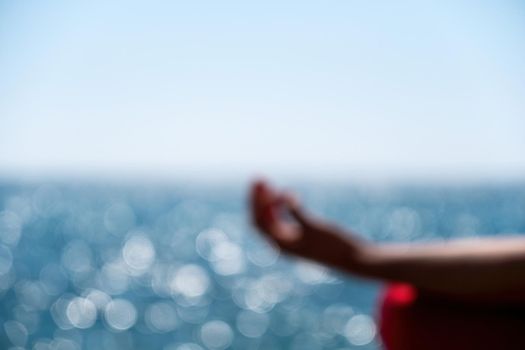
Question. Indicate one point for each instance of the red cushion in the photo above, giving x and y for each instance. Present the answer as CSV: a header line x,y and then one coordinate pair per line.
x,y
411,320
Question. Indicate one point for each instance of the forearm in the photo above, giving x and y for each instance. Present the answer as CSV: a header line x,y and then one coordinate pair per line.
x,y
481,267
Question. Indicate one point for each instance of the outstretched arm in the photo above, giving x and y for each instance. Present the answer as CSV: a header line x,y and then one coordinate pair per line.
x,y
483,267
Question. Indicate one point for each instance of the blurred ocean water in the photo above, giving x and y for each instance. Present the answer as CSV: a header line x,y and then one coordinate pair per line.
x,y
180,268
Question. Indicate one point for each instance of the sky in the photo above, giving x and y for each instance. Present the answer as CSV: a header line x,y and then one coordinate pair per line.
x,y
346,89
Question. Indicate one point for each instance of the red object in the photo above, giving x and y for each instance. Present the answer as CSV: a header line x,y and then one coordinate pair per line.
x,y
411,320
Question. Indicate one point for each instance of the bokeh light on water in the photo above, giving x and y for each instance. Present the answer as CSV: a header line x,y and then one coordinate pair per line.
x,y
107,267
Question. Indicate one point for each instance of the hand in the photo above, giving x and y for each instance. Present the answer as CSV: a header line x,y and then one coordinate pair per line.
x,y
281,219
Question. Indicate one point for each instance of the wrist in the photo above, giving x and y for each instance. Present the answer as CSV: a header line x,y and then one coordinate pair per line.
x,y
367,260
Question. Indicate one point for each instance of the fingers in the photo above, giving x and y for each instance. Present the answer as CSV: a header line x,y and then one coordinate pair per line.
x,y
255,202
265,207
265,202
262,202
308,221
295,210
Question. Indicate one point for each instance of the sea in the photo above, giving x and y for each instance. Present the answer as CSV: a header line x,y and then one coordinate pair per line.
x,y
107,266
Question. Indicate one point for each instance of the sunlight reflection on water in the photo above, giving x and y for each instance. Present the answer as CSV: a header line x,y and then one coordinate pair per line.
x,y
90,267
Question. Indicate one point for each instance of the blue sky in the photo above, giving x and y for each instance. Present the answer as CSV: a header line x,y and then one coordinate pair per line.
x,y
347,89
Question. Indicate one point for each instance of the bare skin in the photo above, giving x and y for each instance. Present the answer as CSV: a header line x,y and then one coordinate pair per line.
x,y
478,268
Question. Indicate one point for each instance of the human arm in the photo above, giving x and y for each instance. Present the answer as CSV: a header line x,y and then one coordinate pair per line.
x,y
483,267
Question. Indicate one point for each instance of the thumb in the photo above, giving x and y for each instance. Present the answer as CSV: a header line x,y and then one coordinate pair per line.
x,y
295,209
